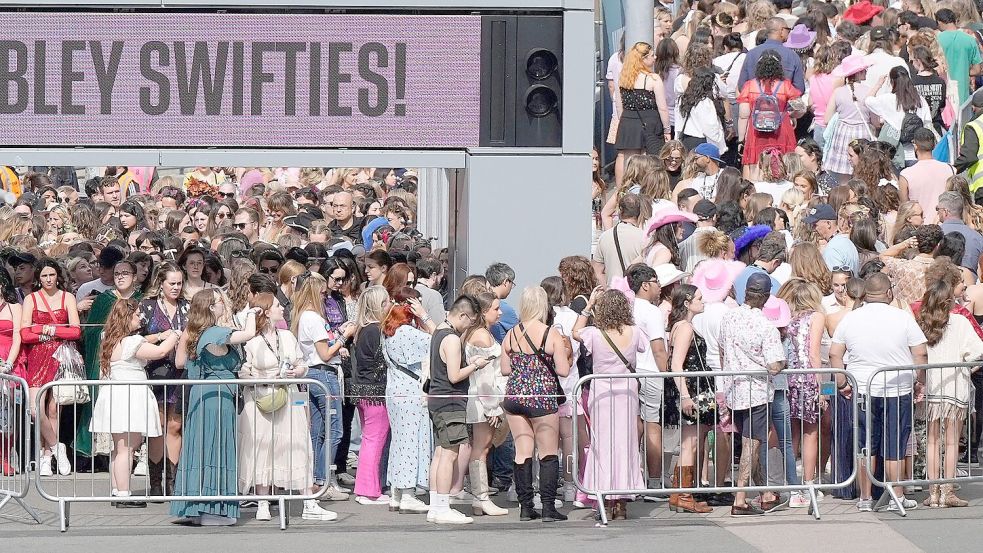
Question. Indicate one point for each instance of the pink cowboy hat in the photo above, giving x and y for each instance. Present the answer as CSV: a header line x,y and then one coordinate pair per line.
x,y
715,277
669,215
851,65
777,312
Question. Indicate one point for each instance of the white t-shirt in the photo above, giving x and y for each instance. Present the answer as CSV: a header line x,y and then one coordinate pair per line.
x,y
93,285
649,319
312,328
887,346
707,325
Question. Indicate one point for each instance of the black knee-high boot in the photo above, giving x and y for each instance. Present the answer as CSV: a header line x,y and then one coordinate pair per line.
x,y
549,474
523,489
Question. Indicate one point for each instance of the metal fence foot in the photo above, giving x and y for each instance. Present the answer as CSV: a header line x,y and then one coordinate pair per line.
x,y
814,503
602,510
893,498
284,513
64,512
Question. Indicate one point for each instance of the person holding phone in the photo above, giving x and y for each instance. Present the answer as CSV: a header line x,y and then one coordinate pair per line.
x,y
486,387
323,349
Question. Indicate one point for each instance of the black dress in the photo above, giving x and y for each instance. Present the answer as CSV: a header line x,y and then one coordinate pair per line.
x,y
700,386
639,117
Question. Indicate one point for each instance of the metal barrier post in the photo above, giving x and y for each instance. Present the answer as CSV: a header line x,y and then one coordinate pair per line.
x,y
210,388
15,429
951,379
811,488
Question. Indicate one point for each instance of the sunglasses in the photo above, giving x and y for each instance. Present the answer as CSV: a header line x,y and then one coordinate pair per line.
x,y
269,270
227,194
240,226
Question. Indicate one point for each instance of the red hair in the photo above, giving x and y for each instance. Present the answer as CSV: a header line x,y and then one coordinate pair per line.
x,y
401,314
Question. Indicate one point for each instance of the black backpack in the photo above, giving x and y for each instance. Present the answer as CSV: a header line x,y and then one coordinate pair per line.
x,y
911,123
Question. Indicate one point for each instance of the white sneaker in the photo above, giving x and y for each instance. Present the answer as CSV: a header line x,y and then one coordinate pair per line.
x,y
798,501
44,466
865,505
512,496
64,466
579,504
451,516
263,511
381,500
313,511
431,516
909,504
141,467
463,496
411,505
569,492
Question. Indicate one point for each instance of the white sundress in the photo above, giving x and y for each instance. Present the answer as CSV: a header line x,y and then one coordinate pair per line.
x,y
130,408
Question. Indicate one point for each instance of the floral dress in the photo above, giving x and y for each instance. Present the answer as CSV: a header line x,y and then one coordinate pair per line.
x,y
701,388
803,389
530,390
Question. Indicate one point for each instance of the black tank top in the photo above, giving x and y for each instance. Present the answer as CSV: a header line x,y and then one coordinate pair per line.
x,y
440,384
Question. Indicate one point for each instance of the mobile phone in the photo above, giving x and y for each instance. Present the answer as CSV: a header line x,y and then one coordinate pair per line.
x,y
491,357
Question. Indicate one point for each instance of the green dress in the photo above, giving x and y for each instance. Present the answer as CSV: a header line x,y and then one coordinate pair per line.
x,y
91,339
208,464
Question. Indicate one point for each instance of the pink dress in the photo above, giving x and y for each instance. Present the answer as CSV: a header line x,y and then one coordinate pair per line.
x,y
613,458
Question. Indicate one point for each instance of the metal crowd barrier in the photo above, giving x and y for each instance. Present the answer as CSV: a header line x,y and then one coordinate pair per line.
x,y
838,415
895,406
15,443
85,487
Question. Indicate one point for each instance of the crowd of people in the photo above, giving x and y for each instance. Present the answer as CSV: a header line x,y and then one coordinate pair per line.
x,y
783,197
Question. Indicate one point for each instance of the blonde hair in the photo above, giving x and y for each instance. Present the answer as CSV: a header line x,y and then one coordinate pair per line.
x,y
758,13
905,211
801,296
792,198
310,297
289,270
533,304
371,307
713,244
66,217
634,64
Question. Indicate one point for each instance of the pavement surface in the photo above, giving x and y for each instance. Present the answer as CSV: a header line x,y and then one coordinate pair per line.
x,y
99,527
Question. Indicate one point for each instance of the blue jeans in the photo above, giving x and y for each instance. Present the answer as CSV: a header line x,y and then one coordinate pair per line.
x,y
782,422
324,407
502,460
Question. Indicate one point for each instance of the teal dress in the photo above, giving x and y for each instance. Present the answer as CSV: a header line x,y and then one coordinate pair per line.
x,y
208,464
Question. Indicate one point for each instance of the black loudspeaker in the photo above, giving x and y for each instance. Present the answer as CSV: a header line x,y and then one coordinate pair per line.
x,y
521,81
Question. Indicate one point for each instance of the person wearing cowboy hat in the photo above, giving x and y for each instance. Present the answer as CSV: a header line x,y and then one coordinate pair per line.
x,y
801,38
780,462
847,103
862,13
664,233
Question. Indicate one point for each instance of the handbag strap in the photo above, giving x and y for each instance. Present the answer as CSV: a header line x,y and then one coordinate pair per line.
x,y
538,351
401,368
617,351
617,247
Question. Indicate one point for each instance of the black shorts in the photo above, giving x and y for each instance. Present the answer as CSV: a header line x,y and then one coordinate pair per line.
x,y
752,423
450,428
